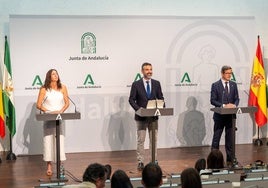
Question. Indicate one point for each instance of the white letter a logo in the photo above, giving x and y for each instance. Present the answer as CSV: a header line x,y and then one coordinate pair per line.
x,y
157,112
58,117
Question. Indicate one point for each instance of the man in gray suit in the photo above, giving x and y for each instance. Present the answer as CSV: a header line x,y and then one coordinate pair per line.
x,y
141,91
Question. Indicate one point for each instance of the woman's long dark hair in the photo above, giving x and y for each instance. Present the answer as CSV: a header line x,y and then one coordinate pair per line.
x,y
215,159
120,180
190,178
48,80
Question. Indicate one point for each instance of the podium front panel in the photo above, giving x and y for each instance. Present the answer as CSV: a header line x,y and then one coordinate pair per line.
x,y
63,116
143,112
238,110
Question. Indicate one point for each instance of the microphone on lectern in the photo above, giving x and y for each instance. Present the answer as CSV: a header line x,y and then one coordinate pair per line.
x,y
43,103
223,93
72,103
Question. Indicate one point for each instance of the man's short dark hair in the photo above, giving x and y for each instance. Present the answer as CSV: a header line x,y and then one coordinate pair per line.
x,y
145,64
93,172
225,68
152,175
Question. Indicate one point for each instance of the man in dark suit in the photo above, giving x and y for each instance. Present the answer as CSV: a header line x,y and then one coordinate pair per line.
x,y
224,93
141,91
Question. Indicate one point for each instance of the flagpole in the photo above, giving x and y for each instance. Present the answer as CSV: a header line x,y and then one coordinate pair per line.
x,y
11,156
258,141
9,107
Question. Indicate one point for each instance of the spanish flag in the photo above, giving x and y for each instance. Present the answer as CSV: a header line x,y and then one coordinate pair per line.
x,y
2,119
257,93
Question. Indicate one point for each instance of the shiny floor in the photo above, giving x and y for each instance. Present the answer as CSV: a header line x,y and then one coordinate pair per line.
x,y
26,171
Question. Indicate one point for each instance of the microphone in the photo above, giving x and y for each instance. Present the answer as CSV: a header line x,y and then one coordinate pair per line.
x,y
73,104
43,103
156,103
223,93
246,92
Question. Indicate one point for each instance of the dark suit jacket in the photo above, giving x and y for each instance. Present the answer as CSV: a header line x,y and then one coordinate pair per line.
x,y
217,98
138,97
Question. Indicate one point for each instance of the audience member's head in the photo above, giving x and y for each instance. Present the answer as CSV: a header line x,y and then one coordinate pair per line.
x,y
215,159
95,173
120,180
200,164
108,170
190,178
152,176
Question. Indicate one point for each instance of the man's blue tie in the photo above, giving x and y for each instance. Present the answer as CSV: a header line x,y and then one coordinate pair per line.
x,y
148,90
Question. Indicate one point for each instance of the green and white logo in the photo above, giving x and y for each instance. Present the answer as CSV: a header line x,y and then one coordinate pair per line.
x,y
88,43
37,81
186,80
233,77
138,77
88,50
88,80
88,83
36,84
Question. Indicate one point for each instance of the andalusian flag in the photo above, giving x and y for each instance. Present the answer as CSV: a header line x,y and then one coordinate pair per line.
x,y
257,93
8,98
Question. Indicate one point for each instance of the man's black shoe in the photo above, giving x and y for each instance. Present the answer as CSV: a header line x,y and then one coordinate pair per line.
x,y
140,166
229,164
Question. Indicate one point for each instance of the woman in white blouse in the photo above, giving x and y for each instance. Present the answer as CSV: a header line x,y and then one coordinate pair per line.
x,y
53,98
